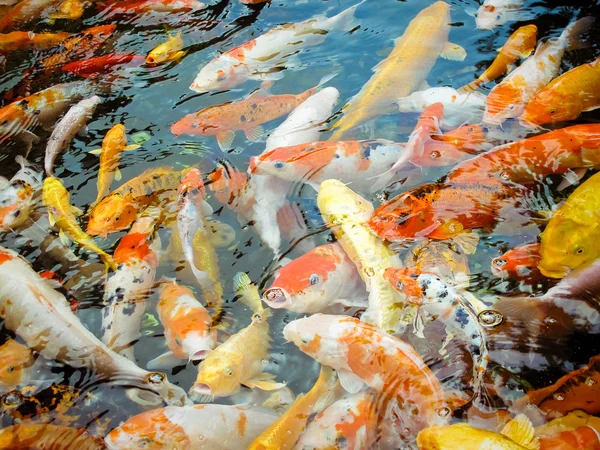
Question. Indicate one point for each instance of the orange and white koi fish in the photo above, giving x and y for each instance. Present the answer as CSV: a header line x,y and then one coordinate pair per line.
x,y
520,44
520,263
238,361
113,144
172,50
315,281
65,130
60,212
44,321
18,196
364,355
92,67
15,363
187,325
246,115
265,57
404,70
125,291
231,427
565,97
508,99
285,431
24,40
27,11
118,210
42,108
348,424
30,436
493,13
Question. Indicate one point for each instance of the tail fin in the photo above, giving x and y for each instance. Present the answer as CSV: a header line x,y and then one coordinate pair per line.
x,y
243,286
344,21
572,33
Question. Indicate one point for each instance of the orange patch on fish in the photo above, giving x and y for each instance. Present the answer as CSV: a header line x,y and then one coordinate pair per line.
x,y
133,247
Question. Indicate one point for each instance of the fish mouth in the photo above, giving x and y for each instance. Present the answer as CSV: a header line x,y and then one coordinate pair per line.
x,y
201,393
553,273
198,88
277,298
199,355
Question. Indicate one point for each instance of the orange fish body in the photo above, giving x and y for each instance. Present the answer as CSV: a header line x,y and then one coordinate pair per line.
x,y
25,437
69,10
566,97
101,64
20,40
27,11
15,360
583,438
110,156
519,263
519,45
247,115
143,6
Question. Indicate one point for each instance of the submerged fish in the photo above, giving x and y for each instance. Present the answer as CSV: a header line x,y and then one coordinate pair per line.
x,y
265,57
231,427
44,321
69,10
101,64
172,50
22,40
520,263
188,327
73,122
569,240
47,436
493,13
27,11
404,70
345,213
149,6
317,280
18,197
15,365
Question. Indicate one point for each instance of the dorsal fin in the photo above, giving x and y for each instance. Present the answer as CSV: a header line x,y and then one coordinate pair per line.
x,y
520,430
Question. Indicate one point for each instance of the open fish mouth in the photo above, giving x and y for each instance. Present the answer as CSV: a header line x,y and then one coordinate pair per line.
x,y
199,355
277,297
201,393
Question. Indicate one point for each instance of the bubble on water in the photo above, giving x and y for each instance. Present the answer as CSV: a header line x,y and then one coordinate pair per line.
x,y
490,318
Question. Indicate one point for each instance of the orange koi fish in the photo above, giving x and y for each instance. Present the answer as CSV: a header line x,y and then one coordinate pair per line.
x,y
187,325
27,11
24,437
143,6
520,263
246,115
22,40
520,44
561,151
93,67
565,97
118,210
15,363
583,438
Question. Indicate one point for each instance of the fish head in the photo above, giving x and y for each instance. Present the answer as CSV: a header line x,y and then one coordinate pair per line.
x,y
217,75
191,186
15,359
218,376
113,213
307,279
226,183
197,344
548,106
151,430
116,136
405,281
193,124
504,102
14,119
16,203
490,16
163,52
449,437
100,32
289,163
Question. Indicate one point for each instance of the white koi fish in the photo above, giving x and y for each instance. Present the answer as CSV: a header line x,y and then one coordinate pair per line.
x,y
18,196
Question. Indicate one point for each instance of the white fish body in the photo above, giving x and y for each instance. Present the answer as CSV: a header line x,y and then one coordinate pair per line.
x,y
493,13
18,196
306,122
459,108
65,130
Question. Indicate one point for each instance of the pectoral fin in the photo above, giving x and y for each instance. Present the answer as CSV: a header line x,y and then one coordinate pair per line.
x,y
350,382
167,360
521,431
265,382
51,219
219,233
225,139
118,174
76,211
572,177
255,134
467,242
177,56
453,52
128,148
63,237
96,151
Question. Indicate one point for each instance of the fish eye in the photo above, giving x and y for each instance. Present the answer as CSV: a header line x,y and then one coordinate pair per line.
x,y
278,165
4,122
10,369
178,341
221,75
305,339
228,372
144,442
579,250
500,262
399,285
314,279
498,17
17,213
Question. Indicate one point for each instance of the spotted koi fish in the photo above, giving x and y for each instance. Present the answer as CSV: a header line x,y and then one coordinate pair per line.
x,y
18,197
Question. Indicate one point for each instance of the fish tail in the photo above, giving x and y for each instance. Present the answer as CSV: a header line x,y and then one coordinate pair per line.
x,y
572,33
344,21
471,87
108,261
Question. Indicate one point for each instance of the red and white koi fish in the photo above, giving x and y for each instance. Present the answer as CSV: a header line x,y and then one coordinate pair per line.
x,y
126,289
231,427
265,57
93,67
18,197
43,319
493,13
520,263
187,327
317,280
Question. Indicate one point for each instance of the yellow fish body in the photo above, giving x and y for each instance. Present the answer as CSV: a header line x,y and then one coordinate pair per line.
x,y
60,212
346,213
172,50
518,434
570,241
404,70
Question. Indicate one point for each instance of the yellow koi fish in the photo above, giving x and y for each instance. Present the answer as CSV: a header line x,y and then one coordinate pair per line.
x,y
172,50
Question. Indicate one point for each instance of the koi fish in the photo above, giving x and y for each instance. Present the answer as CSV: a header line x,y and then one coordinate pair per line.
x,y
187,325
459,108
161,6
306,122
567,151
404,70
42,108
65,130
247,115
315,281
118,210
25,40
442,258
569,422
125,291
238,361
568,242
265,57
520,263
285,431
231,427
92,67
69,10
27,11
349,423
518,434
508,99
18,197
565,97
583,438
345,213
172,50
17,437
364,355
56,333
113,144
247,292
361,163
520,44
194,236
15,365
60,212
493,13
